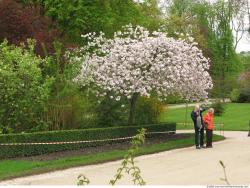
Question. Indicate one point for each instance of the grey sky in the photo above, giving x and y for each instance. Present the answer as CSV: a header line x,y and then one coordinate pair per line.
x,y
244,44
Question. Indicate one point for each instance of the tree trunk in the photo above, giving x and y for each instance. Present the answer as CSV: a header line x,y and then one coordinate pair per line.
x,y
131,117
186,113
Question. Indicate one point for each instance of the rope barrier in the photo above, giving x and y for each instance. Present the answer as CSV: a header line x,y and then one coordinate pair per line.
x,y
189,123
78,142
220,125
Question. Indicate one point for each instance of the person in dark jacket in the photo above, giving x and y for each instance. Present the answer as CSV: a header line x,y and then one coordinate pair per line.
x,y
196,116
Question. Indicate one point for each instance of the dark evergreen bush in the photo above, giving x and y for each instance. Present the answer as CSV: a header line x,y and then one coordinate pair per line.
x,y
218,107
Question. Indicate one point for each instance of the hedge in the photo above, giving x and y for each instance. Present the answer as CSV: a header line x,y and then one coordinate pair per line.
x,y
69,135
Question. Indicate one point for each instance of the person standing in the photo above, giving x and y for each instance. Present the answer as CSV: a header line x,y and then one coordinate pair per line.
x,y
196,116
209,123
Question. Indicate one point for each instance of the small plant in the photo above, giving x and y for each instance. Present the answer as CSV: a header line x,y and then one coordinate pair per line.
x,y
234,95
225,174
82,180
218,107
148,110
127,165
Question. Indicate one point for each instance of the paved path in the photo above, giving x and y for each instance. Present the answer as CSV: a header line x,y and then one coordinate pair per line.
x,y
175,106
177,167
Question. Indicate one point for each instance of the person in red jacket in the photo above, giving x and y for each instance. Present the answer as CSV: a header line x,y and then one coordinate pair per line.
x,y
209,124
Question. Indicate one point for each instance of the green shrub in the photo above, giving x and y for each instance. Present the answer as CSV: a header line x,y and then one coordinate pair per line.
x,y
234,95
245,90
23,89
218,107
244,97
174,99
68,105
72,110
148,110
69,135
244,87
111,112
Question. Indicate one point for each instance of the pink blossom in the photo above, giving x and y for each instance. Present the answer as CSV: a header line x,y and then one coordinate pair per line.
x,y
136,61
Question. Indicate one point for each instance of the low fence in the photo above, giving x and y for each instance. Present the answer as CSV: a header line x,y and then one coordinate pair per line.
x,y
217,126
81,141
31,144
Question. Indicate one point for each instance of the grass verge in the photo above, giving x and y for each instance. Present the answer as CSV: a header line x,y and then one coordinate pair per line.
x,y
16,168
235,118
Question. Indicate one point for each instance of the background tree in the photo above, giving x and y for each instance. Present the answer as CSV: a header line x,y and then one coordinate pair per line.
x,y
74,18
226,63
210,24
18,23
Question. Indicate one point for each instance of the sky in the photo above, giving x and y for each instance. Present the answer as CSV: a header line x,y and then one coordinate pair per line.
x,y
244,44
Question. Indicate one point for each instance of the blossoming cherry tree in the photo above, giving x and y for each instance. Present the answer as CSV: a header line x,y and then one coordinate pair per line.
x,y
136,62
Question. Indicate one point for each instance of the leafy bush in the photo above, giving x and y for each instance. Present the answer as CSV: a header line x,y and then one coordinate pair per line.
x,y
70,109
234,95
23,89
69,135
218,107
148,110
244,97
244,87
111,112
245,91
68,105
174,99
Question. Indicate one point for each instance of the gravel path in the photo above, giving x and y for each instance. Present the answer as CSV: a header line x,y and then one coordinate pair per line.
x,y
186,166
176,106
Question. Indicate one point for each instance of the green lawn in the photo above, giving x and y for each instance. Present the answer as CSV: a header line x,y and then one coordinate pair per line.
x,y
236,116
15,168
